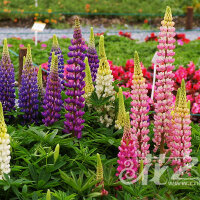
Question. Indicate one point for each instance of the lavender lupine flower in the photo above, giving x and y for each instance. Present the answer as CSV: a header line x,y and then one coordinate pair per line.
x,y
92,56
52,100
28,91
7,80
56,49
164,83
75,84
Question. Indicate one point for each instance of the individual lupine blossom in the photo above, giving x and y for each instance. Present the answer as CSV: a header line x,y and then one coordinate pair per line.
x,y
181,137
40,82
92,56
52,100
99,176
104,87
127,155
58,52
75,84
164,84
28,91
89,87
7,80
119,123
4,146
140,108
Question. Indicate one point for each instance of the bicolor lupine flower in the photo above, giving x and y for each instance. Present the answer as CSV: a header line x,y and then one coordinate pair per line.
x,y
7,80
181,139
99,176
52,100
104,87
58,52
139,110
28,91
127,153
119,123
92,56
164,83
40,82
89,87
75,84
4,146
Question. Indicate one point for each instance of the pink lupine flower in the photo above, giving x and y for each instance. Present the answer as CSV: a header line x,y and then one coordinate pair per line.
x,y
163,95
127,153
180,42
180,144
139,110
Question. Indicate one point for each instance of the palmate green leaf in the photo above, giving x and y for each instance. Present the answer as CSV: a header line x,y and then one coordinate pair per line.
x,y
60,195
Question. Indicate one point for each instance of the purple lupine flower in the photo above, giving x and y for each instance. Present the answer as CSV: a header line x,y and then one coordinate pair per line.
x,y
52,100
75,84
56,49
92,56
7,80
28,91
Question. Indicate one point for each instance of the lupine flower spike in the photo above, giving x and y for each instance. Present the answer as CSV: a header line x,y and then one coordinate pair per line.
x,y
28,92
139,110
75,84
52,100
89,87
56,49
7,80
119,123
164,83
92,56
5,146
99,176
127,154
181,139
104,87
40,82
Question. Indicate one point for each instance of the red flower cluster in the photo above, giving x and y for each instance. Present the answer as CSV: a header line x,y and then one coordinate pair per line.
x,y
152,37
181,37
99,34
192,78
125,34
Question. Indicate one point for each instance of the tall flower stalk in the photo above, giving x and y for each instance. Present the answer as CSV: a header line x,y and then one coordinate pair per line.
x,y
181,133
40,82
139,110
104,87
164,83
7,80
52,100
28,91
92,56
119,123
58,52
75,84
127,153
5,146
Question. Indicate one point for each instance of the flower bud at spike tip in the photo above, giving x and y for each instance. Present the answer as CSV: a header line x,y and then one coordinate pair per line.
x,y
48,196
28,55
119,123
137,68
102,48
56,152
5,47
91,41
99,169
77,23
141,173
89,87
168,14
39,79
189,104
182,97
177,97
24,60
55,41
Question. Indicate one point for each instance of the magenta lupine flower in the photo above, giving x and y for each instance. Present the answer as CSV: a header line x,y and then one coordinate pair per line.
x,y
75,84
180,145
28,91
92,56
56,49
127,153
7,80
52,100
139,110
164,83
